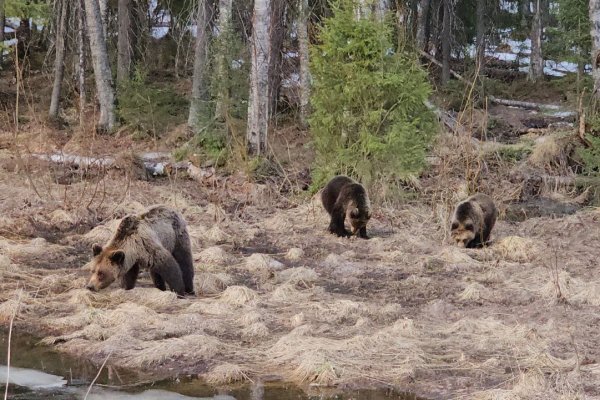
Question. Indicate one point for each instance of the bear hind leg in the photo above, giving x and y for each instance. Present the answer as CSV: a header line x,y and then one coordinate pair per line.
x,y
183,256
336,225
168,269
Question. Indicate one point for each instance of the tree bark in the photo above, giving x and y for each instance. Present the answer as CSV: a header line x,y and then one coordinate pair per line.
x,y
199,81
224,28
303,54
104,15
381,8
525,12
481,23
81,62
258,108
363,9
102,72
595,33
536,61
124,41
1,27
422,22
446,37
59,61
277,33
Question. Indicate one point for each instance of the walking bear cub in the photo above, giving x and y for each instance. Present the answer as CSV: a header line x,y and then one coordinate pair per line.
x,y
344,198
156,240
473,221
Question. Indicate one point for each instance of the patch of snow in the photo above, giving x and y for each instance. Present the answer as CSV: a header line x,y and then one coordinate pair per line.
x,y
159,32
31,378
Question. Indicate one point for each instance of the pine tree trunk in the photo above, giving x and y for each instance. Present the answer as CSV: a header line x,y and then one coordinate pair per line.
x,y
277,34
225,9
258,108
480,43
1,27
199,81
446,37
525,12
81,62
422,22
124,40
102,72
303,43
59,61
536,62
595,33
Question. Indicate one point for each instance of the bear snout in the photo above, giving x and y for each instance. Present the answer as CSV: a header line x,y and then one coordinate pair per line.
x,y
91,287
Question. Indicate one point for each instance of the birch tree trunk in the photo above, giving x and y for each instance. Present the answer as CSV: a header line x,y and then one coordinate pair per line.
x,y
224,28
595,33
446,36
199,81
258,108
81,62
480,42
422,22
102,72
59,61
381,8
124,40
304,62
536,61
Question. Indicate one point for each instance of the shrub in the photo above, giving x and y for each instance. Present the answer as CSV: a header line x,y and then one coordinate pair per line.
x,y
369,118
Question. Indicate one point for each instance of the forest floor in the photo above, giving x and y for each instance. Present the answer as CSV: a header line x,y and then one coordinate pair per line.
x,y
278,298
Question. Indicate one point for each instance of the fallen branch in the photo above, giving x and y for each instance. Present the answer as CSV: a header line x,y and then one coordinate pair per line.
x,y
448,120
155,164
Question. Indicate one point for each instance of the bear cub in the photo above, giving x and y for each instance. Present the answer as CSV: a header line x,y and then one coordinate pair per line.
x,y
473,221
156,240
344,198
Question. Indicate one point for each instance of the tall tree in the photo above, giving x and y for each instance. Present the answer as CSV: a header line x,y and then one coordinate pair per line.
x,y
199,81
525,11
124,40
2,2
481,23
536,62
595,33
303,42
446,37
59,60
381,7
81,59
102,72
277,34
224,31
422,24
258,107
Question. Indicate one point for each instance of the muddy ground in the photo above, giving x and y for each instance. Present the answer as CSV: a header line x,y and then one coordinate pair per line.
x,y
281,299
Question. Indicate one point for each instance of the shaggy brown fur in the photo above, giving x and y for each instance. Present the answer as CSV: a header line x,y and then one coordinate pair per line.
x,y
473,221
156,240
344,198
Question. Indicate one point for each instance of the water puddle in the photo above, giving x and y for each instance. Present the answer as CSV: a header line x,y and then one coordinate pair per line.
x,y
37,372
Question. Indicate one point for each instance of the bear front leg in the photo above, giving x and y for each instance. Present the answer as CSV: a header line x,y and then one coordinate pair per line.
x,y
336,225
167,268
158,281
362,233
130,278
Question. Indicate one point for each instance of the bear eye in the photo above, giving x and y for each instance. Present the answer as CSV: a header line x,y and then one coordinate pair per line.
x,y
454,226
469,227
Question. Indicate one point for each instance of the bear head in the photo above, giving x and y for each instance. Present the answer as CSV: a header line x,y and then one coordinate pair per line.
x,y
106,267
358,218
463,232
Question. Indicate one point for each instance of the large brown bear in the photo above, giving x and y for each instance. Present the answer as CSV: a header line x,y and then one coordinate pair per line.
x,y
473,221
344,198
156,240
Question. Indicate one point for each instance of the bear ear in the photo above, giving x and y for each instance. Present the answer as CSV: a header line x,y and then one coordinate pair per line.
x,y
118,257
354,213
96,249
127,226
